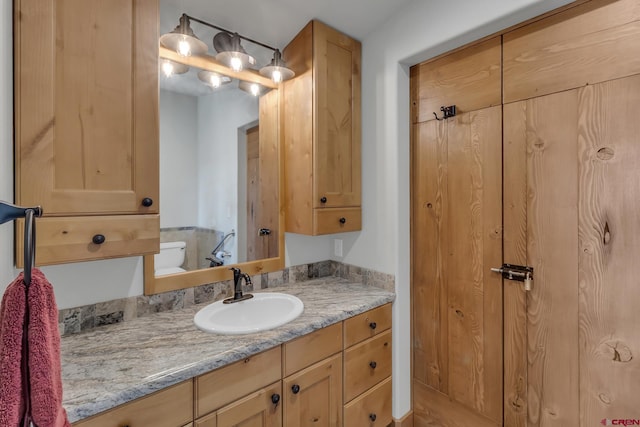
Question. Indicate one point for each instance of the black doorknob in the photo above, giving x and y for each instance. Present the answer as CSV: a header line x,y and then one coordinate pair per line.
x,y
343,220
323,200
295,389
373,325
275,398
372,417
98,239
373,364
146,202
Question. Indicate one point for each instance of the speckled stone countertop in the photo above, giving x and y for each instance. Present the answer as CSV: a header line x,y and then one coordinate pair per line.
x,y
118,363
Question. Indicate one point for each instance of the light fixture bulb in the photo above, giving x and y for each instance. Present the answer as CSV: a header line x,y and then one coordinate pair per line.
x,y
236,63
276,76
255,89
167,68
215,80
184,48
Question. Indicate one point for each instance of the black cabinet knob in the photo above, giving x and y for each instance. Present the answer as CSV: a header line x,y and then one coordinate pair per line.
x,y
275,398
372,417
323,200
146,202
343,220
295,389
98,239
373,364
373,325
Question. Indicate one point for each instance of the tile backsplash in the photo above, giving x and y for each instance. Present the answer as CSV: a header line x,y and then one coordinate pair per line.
x,y
80,319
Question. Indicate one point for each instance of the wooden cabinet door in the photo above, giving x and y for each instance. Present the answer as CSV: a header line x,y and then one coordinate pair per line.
x,y
86,105
313,396
571,212
171,407
260,409
457,301
337,133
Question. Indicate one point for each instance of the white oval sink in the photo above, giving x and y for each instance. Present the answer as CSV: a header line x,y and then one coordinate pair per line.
x,y
266,310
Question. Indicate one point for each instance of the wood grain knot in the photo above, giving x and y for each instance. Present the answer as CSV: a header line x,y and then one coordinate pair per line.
x,y
606,238
605,153
618,351
428,205
460,314
604,398
538,145
517,404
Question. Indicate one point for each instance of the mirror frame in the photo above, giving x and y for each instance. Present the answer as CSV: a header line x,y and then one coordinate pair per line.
x,y
172,282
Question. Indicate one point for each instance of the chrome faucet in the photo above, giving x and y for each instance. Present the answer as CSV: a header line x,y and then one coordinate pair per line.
x,y
238,276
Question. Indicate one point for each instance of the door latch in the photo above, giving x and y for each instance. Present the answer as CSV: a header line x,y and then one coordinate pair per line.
x,y
517,272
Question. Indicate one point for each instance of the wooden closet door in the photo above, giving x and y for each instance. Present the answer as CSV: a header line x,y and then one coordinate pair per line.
x,y
571,212
457,301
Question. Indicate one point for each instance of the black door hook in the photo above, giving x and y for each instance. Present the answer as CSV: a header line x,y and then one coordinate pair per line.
x,y
447,112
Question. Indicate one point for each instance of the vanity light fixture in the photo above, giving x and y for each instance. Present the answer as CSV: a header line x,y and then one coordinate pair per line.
x,y
253,88
277,70
212,79
228,47
183,40
170,67
230,51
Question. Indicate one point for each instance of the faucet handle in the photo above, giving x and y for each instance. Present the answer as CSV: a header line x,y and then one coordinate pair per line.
x,y
247,279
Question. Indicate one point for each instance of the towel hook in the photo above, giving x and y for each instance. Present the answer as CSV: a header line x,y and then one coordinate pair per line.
x,y
447,112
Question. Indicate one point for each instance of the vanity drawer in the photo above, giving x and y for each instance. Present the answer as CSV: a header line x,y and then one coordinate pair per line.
x,y
311,348
366,364
329,220
227,384
367,325
371,409
171,407
70,239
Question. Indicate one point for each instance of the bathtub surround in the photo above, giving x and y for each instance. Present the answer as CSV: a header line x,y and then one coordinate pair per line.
x,y
85,318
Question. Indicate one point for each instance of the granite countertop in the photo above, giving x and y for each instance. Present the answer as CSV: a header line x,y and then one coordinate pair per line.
x,y
118,363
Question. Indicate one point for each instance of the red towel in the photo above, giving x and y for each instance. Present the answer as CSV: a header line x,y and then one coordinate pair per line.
x,y
44,354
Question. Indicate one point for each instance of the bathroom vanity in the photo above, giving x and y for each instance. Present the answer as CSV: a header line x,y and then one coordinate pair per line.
x,y
334,361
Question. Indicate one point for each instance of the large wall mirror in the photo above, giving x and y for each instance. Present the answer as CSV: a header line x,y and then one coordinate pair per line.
x,y
220,169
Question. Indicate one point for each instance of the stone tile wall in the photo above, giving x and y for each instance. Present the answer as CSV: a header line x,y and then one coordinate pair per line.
x,y
80,319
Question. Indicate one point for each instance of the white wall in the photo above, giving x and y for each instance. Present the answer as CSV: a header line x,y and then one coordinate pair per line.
x,y
7,271
178,157
220,115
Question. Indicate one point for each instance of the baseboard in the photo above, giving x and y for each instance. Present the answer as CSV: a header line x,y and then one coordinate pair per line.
x,y
406,421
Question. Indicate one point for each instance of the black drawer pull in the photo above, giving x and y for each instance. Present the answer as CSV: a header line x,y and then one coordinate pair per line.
x,y
373,364
275,398
295,389
323,200
372,417
342,220
99,239
373,325
146,202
